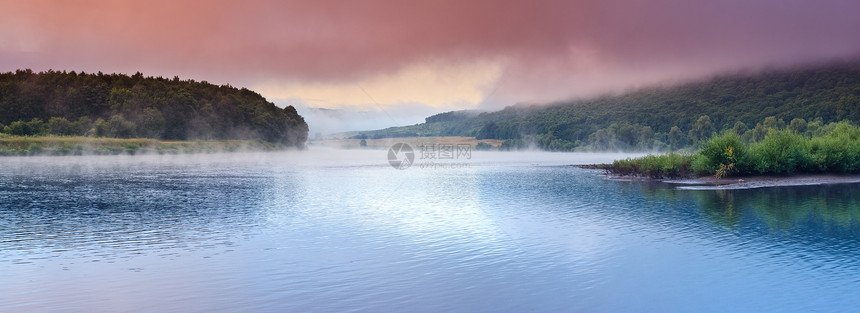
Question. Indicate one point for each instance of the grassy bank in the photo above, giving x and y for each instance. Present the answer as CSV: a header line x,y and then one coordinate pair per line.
x,y
781,152
61,145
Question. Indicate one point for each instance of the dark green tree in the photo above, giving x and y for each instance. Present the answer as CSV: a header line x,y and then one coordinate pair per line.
x,y
60,126
740,128
677,140
702,129
798,125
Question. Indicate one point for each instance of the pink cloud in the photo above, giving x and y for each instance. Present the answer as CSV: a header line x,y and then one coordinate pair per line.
x,y
551,45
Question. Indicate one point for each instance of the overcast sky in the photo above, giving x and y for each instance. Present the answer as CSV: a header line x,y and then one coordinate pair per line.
x,y
432,56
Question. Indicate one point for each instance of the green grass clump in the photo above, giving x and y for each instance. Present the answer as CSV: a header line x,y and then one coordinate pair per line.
x,y
780,152
34,148
837,151
73,145
722,155
654,166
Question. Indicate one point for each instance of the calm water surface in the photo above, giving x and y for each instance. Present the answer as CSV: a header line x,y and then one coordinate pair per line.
x,y
327,230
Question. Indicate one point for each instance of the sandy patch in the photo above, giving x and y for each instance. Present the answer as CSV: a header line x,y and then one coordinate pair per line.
x,y
712,183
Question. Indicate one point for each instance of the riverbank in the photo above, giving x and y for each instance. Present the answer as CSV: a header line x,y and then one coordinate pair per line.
x,y
746,182
782,152
61,145
710,182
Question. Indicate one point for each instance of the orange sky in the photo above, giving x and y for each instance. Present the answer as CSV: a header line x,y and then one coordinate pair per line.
x,y
437,54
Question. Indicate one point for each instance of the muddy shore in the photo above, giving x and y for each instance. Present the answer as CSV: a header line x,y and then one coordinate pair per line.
x,y
748,182
710,182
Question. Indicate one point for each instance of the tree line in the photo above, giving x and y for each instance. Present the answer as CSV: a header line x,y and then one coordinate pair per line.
x,y
664,118
127,106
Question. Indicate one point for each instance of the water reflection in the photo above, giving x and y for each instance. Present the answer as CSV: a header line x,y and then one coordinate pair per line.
x,y
818,224
106,213
780,208
262,234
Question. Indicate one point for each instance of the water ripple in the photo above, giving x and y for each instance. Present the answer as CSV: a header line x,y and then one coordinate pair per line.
x,y
232,233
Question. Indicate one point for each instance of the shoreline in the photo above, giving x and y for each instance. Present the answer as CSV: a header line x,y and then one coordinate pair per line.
x,y
740,182
752,182
79,145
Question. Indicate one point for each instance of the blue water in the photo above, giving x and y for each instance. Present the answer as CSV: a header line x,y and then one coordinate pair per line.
x,y
344,231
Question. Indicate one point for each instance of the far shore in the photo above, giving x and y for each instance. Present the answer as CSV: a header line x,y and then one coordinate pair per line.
x,y
385,143
60,145
747,182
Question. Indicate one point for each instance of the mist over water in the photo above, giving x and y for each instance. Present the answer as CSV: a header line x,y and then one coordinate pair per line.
x,y
342,230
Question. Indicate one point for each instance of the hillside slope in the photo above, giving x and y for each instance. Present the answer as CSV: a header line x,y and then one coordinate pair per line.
x,y
654,118
117,105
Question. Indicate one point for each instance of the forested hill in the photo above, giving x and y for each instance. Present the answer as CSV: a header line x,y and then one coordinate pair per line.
x,y
117,105
661,118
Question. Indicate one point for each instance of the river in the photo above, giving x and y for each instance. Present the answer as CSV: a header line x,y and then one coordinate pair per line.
x,y
342,230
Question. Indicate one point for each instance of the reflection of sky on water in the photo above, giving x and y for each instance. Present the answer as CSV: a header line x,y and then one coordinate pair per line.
x,y
339,230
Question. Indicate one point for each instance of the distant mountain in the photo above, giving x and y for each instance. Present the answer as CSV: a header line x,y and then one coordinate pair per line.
x,y
653,118
117,105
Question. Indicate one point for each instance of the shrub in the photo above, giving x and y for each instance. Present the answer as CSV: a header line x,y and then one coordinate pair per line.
x,y
131,147
722,155
780,152
513,144
837,151
828,154
60,126
484,146
34,148
116,126
561,145
654,166
31,128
